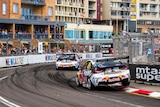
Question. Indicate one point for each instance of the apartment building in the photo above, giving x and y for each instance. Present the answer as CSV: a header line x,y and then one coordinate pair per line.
x,y
27,22
148,15
131,15
79,15
75,11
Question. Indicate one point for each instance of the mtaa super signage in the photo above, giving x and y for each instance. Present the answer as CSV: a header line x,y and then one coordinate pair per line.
x,y
148,73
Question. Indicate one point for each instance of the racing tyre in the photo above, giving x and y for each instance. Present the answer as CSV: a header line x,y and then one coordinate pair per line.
x,y
77,82
90,86
125,82
57,68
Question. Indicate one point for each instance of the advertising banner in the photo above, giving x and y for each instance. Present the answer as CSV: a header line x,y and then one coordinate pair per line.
x,y
147,73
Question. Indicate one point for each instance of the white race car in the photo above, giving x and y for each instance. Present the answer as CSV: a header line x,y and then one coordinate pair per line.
x,y
102,72
67,60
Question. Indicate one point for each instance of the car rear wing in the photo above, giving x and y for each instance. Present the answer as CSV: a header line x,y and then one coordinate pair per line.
x,y
113,58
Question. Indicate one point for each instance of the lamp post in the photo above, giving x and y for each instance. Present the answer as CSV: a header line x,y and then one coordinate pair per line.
x,y
58,29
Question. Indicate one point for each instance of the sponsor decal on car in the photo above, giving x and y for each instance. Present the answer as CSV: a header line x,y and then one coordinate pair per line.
x,y
114,79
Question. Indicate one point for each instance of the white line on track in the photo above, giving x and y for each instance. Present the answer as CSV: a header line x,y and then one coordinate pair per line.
x,y
114,100
3,78
4,101
8,103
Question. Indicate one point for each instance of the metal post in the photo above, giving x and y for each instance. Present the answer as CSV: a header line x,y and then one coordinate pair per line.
x,y
152,46
54,32
77,36
30,48
57,38
49,46
20,45
7,45
59,31
129,47
117,22
127,19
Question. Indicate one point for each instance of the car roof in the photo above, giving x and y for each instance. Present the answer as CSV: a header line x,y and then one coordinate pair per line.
x,y
66,54
105,59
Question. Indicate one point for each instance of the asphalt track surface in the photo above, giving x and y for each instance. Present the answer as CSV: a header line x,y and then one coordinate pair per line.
x,y
41,85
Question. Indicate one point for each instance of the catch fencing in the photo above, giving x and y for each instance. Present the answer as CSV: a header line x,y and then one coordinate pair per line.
x,y
144,54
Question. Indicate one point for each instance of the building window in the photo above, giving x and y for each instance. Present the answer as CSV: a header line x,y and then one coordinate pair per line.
x,y
69,34
4,8
15,8
49,11
91,34
99,35
58,1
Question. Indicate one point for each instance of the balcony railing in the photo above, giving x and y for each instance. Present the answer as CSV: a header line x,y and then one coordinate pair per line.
x,y
41,36
128,1
5,36
153,9
35,17
35,2
26,36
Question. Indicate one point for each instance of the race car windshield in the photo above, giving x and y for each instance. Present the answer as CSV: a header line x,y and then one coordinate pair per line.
x,y
67,57
109,64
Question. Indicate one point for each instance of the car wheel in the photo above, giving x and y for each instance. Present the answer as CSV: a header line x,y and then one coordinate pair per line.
x,y
57,68
77,81
90,86
77,67
125,82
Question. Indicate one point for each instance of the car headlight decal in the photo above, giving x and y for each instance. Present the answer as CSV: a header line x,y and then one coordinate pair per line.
x,y
121,76
71,65
106,77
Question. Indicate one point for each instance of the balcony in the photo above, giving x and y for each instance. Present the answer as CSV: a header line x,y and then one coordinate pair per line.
x,y
153,9
34,2
144,10
127,1
92,7
4,37
23,36
91,15
35,17
41,36
82,5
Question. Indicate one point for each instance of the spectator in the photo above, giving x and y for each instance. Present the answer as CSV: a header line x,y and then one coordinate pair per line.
x,y
149,54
